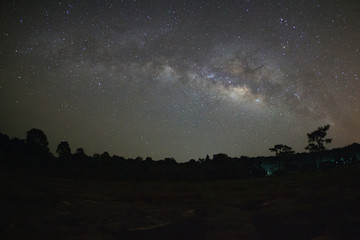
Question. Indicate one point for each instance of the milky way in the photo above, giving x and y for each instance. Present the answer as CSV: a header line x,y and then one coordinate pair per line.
x,y
180,79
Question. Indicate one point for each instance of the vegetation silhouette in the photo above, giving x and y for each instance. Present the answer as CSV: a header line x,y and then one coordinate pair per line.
x,y
282,153
63,150
32,156
37,140
316,139
66,194
281,149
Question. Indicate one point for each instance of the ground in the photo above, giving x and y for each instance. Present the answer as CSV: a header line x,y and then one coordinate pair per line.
x,y
314,205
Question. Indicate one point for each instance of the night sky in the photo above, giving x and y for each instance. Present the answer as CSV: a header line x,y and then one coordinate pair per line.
x,y
180,79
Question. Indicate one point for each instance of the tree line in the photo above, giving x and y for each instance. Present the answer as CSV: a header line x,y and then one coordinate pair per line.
x,y
32,155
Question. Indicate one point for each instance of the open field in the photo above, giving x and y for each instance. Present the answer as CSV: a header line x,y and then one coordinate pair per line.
x,y
316,205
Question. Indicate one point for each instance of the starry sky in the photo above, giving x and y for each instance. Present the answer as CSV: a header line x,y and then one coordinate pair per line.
x,y
180,79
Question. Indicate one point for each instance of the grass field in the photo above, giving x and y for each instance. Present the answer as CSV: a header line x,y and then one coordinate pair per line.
x,y
314,205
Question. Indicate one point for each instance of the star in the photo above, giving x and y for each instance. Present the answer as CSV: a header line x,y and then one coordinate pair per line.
x,y
180,79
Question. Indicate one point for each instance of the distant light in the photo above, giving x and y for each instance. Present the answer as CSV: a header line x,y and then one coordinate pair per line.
x,y
211,75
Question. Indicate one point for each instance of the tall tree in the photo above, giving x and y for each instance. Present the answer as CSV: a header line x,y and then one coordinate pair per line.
x,y
316,139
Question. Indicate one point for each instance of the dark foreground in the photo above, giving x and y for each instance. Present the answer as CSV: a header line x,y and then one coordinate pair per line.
x,y
317,205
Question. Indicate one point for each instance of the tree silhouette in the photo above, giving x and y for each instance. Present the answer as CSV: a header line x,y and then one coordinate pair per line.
x,y
80,151
37,138
105,156
281,152
63,149
281,149
316,139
